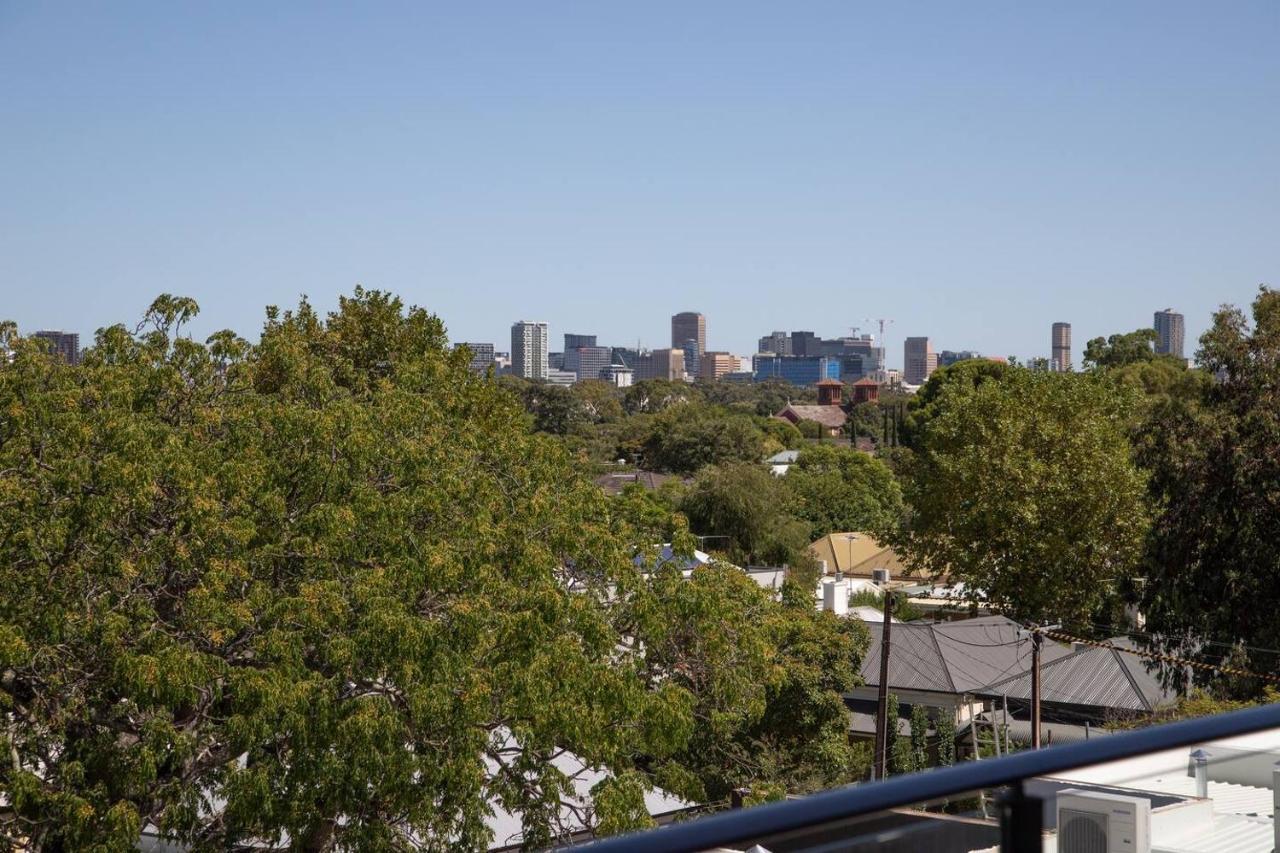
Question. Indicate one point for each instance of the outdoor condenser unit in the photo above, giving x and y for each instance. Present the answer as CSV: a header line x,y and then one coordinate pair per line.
x,y
1090,822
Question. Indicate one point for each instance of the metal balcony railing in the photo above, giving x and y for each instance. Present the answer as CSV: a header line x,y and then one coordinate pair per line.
x,y
1020,815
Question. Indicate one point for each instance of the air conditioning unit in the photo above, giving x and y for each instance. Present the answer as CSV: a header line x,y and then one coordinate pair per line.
x,y
880,576
1090,822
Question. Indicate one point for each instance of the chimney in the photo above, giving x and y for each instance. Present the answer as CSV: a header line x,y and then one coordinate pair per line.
x,y
835,597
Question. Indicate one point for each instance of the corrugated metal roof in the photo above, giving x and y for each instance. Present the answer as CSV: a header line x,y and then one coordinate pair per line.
x,y
1100,678
1227,834
955,657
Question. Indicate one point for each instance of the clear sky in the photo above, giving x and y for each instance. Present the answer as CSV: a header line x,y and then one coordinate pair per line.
x,y
974,171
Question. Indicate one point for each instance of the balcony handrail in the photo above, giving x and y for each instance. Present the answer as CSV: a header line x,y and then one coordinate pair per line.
x,y
724,828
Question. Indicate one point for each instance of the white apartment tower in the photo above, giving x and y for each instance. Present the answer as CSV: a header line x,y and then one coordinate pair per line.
x,y
529,350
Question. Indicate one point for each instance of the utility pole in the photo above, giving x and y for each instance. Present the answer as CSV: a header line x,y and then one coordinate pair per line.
x,y
882,695
1036,640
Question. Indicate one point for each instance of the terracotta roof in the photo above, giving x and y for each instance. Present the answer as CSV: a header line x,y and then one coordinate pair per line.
x,y
867,380
829,382
829,416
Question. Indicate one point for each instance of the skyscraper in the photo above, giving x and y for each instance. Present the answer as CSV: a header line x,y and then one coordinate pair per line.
x,y
1169,333
529,350
572,342
482,356
65,344
588,362
918,361
689,326
1060,348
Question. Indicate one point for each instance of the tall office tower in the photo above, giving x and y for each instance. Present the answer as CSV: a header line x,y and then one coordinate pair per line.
x,y
778,343
805,343
660,364
918,361
65,344
1170,331
715,365
588,362
572,342
871,353
1060,348
529,350
481,356
689,326
692,358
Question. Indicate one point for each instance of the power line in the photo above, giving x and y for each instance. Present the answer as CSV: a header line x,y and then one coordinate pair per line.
x,y
1229,670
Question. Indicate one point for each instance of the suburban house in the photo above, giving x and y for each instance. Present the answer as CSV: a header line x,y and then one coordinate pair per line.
x,y
860,555
981,668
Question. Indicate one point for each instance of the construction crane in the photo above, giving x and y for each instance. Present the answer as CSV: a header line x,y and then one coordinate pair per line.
x,y
853,331
882,322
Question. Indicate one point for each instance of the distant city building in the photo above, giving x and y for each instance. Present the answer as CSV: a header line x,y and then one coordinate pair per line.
x,y
806,343
65,344
555,360
626,356
689,326
660,364
572,342
1170,331
947,357
619,375
715,365
918,361
588,362
561,377
692,357
1060,348
798,370
859,356
529,350
482,356
778,343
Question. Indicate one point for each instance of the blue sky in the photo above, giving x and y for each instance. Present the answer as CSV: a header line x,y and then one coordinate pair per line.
x,y
973,171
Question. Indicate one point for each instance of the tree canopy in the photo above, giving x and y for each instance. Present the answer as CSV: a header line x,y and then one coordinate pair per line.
x,y
1215,549
1025,489
331,586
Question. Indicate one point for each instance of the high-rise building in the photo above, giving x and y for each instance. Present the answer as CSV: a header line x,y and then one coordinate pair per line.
x,y
1170,331
1060,348
715,365
918,361
796,369
572,342
778,343
588,362
482,356
689,326
805,343
529,350
660,364
947,357
65,344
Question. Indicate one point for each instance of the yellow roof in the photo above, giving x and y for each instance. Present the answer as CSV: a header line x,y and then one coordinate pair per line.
x,y
857,554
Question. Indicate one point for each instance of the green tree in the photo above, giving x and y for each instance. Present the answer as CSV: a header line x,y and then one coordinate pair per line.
x,y
333,583
1215,549
687,437
946,727
963,377
650,396
746,504
1025,489
836,489
919,738
1119,350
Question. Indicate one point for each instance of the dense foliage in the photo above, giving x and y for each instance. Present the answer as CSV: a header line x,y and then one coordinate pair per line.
x,y
1215,461
1023,486
331,587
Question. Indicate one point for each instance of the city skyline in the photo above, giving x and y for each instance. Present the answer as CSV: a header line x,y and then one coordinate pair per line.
x,y
606,167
